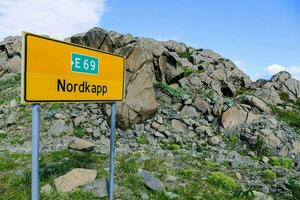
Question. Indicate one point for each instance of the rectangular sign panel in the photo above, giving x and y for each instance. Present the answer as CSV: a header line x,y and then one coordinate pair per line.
x,y
57,71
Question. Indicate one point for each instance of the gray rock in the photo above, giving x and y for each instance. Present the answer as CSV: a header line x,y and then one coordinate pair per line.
x,y
265,159
78,120
171,195
74,178
144,196
59,127
201,105
261,196
215,140
151,182
46,189
178,126
80,144
98,187
13,103
189,111
12,119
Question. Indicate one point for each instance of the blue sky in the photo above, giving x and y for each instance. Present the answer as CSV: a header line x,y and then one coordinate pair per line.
x,y
261,36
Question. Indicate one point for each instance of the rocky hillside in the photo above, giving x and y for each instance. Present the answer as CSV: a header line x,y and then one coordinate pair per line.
x,y
193,126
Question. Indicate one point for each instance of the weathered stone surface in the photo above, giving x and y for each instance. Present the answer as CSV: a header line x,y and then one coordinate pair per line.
x,y
80,144
12,118
97,38
13,64
46,189
201,105
270,138
74,178
215,140
233,116
256,102
151,182
137,55
269,95
178,125
218,106
140,102
98,187
59,127
296,146
189,111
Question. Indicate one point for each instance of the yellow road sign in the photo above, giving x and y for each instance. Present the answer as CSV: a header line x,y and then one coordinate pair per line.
x,y
57,71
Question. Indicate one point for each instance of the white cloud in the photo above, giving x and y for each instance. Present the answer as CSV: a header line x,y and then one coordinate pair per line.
x,y
56,18
166,37
275,68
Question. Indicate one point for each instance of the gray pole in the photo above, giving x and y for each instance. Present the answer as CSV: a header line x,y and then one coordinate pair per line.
x,y
112,151
35,152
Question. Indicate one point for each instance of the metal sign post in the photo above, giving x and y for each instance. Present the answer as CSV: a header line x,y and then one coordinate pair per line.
x,y
35,152
112,151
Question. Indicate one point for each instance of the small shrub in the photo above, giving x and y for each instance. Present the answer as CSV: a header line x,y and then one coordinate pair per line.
x,y
80,132
291,118
284,96
173,147
283,162
177,93
142,140
243,90
269,174
294,186
3,135
261,148
186,55
223,181
234,139
188,71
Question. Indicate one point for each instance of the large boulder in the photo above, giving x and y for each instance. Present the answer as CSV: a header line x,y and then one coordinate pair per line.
x,y
235,116
74,178
10,54
281,82
97,38
140,102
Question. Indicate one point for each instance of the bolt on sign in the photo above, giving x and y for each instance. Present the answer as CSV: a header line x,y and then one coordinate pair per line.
x,y
57,71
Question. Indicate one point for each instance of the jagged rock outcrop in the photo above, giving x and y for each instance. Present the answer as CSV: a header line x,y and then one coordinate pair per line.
x,y
149,61
10,55
280,82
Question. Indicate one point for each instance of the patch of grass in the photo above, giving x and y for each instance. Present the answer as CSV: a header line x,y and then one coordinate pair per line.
x,y
186,55
18,138
243,90
284,96
188,71
261,148
211,165
55,106
281,161
177,93
3,135
234,139
170,146
142,140
269,174
291,118
9,82
294,186
223,181
80,132
77,194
